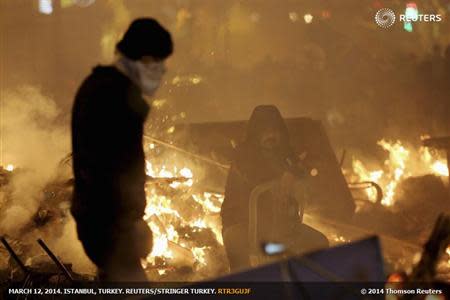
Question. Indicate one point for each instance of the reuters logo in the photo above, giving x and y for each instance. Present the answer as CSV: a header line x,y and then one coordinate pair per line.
x,y
385,17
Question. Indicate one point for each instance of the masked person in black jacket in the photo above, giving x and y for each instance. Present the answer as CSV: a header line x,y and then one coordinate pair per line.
x,y
266,155
108,160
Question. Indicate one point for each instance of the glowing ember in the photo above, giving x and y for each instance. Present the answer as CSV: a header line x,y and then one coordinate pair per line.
x,y
187,80
293,16
199,254
402,163
338,239
161,272
171,129
158,103
308,18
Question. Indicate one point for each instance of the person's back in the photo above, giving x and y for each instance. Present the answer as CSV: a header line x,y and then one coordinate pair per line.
x,y
107,144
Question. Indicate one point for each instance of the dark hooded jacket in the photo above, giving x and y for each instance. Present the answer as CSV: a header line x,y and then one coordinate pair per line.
x,y
108,159
252,167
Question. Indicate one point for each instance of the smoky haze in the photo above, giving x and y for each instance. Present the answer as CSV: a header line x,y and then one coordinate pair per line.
x,y
35,142
323,59
362,81
32,141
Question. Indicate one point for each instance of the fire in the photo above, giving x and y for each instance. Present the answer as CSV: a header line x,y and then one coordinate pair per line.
x,y
448,254
439,168
199,254
167,217
402,163
398,155
178,209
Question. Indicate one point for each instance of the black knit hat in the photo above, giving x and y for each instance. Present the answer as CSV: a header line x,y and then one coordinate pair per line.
x,y
145,37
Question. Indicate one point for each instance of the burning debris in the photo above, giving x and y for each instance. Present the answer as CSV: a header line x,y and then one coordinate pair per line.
x,y
416,182
184,219
184,213
186,225
403,162
412,190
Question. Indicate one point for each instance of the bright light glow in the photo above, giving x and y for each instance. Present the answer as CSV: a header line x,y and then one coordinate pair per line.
x,y
187,80
46,7
274,248
308,18
439,168
293,16
158,103
199,254
408,26
171,129
448,254
196,79
162,272
9,168
411,12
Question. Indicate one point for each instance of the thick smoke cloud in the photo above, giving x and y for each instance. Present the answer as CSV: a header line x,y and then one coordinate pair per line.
x,y
34,144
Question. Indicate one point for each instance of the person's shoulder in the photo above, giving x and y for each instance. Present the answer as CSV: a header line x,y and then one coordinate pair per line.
x,y
245,155
103,80
106,74
241,152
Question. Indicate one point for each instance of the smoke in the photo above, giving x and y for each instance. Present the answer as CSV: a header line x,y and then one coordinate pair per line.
x,y
111,33
69,248
34,144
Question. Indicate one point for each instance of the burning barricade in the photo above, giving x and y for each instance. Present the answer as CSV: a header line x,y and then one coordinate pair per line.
x,y
184,218
414,190
183,209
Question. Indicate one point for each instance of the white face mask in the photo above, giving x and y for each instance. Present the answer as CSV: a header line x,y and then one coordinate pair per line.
x,y
150,75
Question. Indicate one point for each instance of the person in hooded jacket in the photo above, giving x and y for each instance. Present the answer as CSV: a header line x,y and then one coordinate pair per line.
x,y
108,114
266,155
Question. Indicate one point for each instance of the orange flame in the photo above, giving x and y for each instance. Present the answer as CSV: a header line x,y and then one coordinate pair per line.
x,y
161,214
403,162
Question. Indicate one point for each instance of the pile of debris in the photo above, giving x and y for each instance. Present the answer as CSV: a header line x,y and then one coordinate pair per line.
x,y
183,212
42,271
